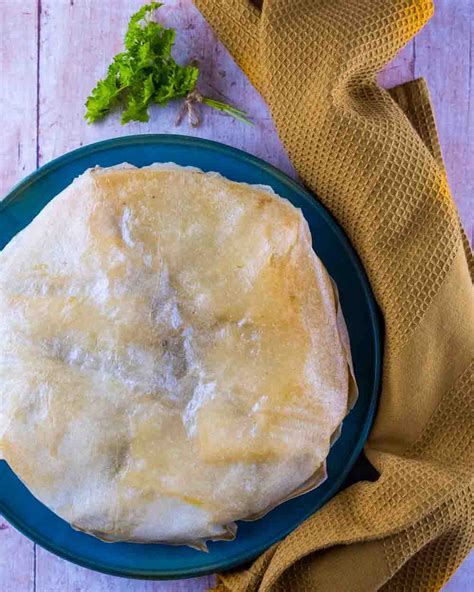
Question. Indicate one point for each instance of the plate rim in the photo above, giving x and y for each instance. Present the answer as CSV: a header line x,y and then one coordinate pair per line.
x,y
376,329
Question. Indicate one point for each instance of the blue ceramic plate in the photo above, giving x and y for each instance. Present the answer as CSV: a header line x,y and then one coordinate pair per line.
x,y
162,561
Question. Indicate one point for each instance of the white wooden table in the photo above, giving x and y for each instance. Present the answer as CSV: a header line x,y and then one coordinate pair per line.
x,y
51,54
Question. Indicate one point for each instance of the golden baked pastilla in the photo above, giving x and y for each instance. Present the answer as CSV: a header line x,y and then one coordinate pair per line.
x,y
172,354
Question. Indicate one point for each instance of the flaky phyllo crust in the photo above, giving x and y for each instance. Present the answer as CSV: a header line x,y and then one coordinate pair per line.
x,y
172,355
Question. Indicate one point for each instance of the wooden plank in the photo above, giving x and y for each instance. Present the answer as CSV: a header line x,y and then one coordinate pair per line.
x,y
444,56
18,89
78,40
54,575
400,69
17,560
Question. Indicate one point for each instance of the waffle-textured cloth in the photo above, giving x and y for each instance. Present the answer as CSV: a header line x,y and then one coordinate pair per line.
x,y
372,157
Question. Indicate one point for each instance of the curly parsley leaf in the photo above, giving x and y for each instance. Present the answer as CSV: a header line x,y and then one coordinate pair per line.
x,y
146,73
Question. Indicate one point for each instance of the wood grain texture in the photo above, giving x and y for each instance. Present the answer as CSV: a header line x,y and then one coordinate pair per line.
x,y
56,575
444,55
18,89
17,560
18,96
51,54
401,69
69,68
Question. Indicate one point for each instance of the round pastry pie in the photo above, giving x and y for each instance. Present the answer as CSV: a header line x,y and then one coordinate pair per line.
x,y
172,355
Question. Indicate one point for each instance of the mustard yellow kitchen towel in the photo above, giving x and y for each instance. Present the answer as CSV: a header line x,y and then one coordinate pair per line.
x,y
372,157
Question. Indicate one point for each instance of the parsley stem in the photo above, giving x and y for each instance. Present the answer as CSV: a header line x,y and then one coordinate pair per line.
x,y
146,73
229,109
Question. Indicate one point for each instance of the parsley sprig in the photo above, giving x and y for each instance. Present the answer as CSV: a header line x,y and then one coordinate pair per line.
x,y
147,73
